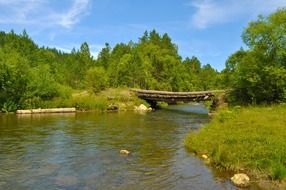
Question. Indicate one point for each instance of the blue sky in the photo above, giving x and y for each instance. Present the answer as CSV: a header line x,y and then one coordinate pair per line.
x,y
208,29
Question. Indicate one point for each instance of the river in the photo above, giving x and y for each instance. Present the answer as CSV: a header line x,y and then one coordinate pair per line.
x,y
81,151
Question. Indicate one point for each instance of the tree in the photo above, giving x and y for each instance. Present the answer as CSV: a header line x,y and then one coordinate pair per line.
x,y
208,78
104,57
13,79
259,72
266,36
41,83
230,67
84,50
96,79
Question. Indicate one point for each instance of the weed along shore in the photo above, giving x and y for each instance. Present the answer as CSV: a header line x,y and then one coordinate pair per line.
x,y
109,100
250,140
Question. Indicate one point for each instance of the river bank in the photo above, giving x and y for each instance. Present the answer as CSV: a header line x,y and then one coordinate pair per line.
x,y
250,140
119,99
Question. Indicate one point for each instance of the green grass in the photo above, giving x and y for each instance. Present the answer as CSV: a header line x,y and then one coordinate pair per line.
x,y
252,139
86,101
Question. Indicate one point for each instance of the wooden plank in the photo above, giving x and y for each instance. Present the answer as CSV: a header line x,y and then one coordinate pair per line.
x,y
171,97
174,93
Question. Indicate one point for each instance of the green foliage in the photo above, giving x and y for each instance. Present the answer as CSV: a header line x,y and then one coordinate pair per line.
x,y
64,92
104,57
13,79
41,83
96,79
83,100
31,76
279,172
154,63
258,75
89,103
251,138
9,106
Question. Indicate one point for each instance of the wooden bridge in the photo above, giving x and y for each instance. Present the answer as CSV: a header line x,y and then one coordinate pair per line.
x,y
153,96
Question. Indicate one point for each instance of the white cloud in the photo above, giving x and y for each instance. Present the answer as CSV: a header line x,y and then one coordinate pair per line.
x,y
211,12
73,15
42,12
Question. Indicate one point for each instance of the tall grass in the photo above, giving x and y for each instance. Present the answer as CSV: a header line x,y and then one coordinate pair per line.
x,y
251,138
84,101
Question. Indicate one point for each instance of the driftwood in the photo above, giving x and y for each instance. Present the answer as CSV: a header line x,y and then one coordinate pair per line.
x,y
52,110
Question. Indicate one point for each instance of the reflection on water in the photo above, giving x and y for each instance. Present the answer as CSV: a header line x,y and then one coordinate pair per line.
x,y
81,151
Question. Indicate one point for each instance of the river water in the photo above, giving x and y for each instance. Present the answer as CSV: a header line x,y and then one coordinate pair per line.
x,y
81,151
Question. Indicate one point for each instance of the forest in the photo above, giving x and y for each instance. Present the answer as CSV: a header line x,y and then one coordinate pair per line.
x,y
254,75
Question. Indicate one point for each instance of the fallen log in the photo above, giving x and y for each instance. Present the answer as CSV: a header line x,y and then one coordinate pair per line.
x,y
52,110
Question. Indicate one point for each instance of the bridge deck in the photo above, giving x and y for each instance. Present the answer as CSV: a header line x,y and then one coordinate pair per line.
x,y
153,95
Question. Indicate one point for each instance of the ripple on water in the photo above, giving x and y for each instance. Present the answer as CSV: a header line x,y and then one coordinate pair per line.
x,y
66,180
81,151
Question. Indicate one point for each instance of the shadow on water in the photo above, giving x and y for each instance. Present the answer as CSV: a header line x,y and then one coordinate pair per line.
x,y
81,151
193,108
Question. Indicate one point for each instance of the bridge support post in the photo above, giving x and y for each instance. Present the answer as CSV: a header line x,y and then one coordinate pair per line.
x,y
152,103
214,104
217,102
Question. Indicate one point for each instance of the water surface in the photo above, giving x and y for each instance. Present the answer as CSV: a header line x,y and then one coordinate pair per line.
x,y
81,151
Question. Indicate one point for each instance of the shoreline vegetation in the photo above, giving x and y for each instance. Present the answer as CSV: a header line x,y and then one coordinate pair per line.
x,y
41,77
251,140
120,99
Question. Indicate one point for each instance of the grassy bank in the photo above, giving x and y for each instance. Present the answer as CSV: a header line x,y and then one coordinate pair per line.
x,y
123,99
251,139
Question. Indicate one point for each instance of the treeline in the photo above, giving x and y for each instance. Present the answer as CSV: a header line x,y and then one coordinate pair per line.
x,y
30,74
154,63
258,74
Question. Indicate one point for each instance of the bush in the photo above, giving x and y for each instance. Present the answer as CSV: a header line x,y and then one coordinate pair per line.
x,y
9,106
41,83
64,91
96,79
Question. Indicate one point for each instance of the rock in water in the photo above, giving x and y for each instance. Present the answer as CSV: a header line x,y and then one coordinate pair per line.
x,y
240,180
126,152
142,108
